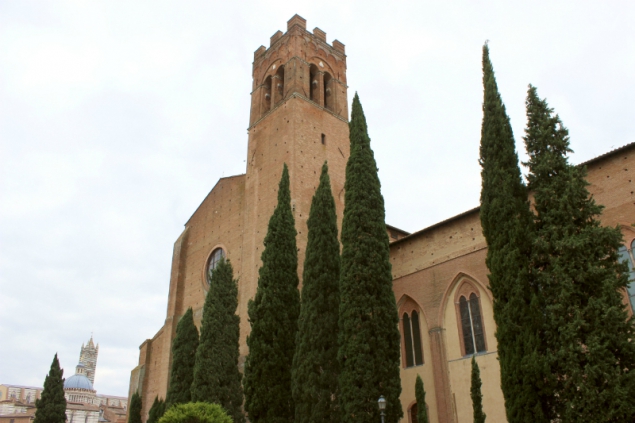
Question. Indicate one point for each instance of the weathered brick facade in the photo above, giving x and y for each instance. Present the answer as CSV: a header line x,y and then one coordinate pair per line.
x,y
299,117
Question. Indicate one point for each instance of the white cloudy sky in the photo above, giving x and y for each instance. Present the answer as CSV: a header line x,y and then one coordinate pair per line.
x,y
117,118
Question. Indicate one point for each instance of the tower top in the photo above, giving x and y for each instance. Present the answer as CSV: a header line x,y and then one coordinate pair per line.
x,y
299,64
298,23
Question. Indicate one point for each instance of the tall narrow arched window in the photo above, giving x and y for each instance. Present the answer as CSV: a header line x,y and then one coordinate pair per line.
x,y
413,350
407,336
266,95
416,339
471,325
280,84
315,84
328,91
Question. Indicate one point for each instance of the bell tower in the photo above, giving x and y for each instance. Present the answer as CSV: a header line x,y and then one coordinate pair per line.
x,y
299,116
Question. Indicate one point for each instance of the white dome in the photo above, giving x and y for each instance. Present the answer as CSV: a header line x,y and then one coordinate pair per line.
x,y
78,382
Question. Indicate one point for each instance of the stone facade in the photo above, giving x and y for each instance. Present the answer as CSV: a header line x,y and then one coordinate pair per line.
x,y
299,110
299,117
24,394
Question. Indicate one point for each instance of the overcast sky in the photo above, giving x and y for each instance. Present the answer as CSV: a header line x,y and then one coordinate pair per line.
x,y
118,117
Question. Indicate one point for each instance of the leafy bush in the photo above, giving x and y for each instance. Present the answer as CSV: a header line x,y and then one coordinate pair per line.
x,y
195,412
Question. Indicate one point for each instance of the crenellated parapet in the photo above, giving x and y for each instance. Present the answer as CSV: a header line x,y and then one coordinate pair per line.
x,y
299,63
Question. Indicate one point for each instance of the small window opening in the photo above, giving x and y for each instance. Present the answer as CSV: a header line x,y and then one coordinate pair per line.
x,y
323,139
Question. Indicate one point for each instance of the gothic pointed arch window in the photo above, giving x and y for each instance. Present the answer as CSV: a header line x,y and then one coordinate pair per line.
x,y
411,335
470,320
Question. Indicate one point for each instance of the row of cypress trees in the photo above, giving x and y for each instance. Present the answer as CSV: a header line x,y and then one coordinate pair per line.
x,y
205,369
330,358
564,337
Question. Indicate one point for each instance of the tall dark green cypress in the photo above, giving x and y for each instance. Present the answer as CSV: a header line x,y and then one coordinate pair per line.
x,y
507,225
156,411
51,406
588,332
420,395
183,357
475,393
273,315
369,350
315,366
216,375
134,415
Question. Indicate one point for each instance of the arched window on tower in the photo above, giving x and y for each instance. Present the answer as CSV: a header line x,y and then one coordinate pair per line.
x,y
315,83
266,95
628,257
471,325
280,84
328,91
412,339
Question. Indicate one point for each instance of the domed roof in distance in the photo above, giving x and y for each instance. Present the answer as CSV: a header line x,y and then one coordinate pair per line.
x,y
78,382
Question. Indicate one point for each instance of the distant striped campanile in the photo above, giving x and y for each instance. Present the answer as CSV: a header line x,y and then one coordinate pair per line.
x,y
88,356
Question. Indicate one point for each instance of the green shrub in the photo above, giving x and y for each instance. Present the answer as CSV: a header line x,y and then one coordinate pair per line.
x,y
195,412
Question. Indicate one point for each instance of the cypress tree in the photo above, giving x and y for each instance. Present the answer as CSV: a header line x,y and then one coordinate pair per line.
x,y
587,330
475,393
273,315
216,375
156,411
135,408
369,337
507,226
51,406
420,395
183,356
315,366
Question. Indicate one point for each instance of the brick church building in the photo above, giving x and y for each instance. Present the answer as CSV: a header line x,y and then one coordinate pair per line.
x,y
299,116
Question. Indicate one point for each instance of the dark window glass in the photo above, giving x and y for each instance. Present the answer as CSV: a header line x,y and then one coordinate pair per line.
x,y
414,411
416,339
477,323
407,336
466,326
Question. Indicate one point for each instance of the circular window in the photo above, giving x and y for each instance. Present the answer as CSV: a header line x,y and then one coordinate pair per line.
x,y
216,256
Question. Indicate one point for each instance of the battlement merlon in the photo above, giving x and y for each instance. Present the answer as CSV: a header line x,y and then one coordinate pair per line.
x,y
298,23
